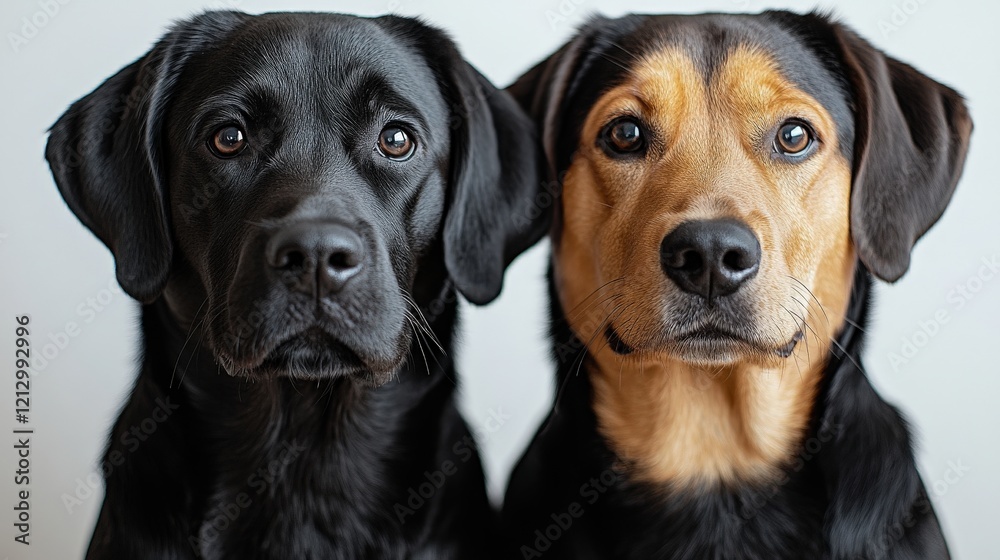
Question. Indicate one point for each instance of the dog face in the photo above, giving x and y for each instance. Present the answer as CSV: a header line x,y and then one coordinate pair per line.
x,y
722,177
688,190
720,189
292,184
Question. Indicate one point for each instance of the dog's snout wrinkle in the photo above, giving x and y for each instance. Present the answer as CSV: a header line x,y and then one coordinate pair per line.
x,y
317,259
710,258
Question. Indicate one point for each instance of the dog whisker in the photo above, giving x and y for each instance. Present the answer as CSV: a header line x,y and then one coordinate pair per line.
x,y
577,364
612,60
621,358
610,323
634,57
422,319
801,321
854,324
816,299
419,342
195,324
848,356
599,331
571,313
210,316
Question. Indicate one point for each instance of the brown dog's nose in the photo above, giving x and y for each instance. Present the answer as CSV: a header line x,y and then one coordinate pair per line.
x,y
710,258
316,258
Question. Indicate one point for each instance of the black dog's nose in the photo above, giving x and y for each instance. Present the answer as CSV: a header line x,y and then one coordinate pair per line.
x,y
316,258
710,258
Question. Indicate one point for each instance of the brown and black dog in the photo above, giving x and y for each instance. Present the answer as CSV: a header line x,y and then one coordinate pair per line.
x,y
729,185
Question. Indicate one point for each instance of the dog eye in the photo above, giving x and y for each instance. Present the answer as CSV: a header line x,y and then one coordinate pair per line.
x,y
395,144
623,136
793,138
228,141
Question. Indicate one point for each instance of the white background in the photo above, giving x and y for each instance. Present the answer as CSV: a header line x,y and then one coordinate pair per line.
x,y
50,265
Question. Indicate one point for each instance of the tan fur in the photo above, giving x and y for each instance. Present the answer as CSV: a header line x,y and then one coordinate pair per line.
x,y
673,418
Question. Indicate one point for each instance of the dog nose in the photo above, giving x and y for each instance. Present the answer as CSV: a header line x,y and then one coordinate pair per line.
x,y
316,258
710,258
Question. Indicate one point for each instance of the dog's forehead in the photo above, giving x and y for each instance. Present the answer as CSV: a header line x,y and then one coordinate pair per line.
x,y
301,56
800,54
327,41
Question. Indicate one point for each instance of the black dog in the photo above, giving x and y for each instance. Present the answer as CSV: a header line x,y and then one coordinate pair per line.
x,y
729,184
286,194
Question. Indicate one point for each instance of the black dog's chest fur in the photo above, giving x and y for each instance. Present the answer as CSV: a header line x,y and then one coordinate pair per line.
x,y
857,446
288,469
319,492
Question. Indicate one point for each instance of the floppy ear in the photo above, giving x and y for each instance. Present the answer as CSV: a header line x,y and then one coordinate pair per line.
x,y
493,215
494,177
911,137
550,91
106,156
542,90
559,91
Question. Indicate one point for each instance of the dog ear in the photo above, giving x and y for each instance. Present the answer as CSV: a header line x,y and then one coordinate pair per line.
x,y
557,93
495,179
106,156
910,141
541,92
495,161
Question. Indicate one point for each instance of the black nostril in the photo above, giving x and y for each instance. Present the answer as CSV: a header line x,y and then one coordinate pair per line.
x,y
341,260
290,259
690,261
316,258
737,260
710,258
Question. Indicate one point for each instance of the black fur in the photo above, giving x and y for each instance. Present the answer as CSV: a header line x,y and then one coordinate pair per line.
x,y
267,422
853,490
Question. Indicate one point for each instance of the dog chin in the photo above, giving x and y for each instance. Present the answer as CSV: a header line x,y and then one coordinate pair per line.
x,y
723,351
713,353
316,358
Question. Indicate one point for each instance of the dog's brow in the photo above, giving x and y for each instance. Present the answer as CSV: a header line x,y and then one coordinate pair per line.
x,y
371,92
230,106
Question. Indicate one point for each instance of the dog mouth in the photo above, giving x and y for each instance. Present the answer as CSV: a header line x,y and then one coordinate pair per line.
x,y
279,335
313,353
710,343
